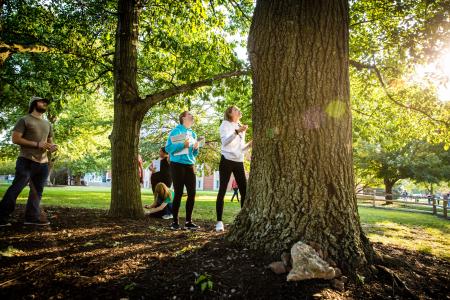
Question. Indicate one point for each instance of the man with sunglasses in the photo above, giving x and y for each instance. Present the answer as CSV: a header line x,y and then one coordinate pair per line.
x,y
34,135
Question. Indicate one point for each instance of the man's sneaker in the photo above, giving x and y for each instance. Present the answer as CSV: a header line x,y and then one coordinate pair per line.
x,y
191,226
219,226
174,226
37,223
167,217
4,223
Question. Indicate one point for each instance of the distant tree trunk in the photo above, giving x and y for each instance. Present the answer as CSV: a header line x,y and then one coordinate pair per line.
x,y
388,189
77,180
51,164
128,115
430,189
51,157
301,184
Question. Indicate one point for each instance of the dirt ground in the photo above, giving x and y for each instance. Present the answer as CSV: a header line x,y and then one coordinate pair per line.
x,y
86,255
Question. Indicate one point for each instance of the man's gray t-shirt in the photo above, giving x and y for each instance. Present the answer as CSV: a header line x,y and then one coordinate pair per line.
x,y
36,130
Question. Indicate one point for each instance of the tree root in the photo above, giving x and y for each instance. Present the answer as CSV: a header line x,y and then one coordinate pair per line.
x,y
396,281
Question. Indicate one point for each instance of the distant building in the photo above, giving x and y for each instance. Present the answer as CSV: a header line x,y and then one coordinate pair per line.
x,y
204,183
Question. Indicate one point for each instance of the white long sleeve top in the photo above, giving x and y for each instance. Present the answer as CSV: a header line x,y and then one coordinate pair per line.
x,y
233,145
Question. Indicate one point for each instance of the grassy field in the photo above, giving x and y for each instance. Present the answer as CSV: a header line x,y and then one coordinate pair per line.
x,y
414,231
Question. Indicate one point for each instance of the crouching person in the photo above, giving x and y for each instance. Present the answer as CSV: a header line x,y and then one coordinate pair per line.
x,y
162,205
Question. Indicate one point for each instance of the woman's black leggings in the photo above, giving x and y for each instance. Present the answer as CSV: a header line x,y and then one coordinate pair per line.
x,y
226,167
183,175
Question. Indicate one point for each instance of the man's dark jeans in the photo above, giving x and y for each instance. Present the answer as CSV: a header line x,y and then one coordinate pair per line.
x,y
27,171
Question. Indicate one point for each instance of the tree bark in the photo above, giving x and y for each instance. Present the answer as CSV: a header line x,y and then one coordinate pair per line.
x,y
77,180
430,189
301,184
388,187
128,115
125,187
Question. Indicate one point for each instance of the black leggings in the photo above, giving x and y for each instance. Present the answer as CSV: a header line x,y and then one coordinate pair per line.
x,y
183,175
227,167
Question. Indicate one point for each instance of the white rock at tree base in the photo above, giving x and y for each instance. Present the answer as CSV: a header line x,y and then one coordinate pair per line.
x,y
307,264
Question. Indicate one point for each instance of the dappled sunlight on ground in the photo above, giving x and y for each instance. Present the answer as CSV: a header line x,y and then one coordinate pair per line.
x,y
426,240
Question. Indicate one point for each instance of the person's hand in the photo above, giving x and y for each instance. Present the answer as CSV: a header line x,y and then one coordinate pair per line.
x,y
243,128
250,143
44,145
186,143
196,145
152,169
53,148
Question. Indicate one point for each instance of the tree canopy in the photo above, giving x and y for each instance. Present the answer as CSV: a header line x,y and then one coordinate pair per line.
x,y
62,49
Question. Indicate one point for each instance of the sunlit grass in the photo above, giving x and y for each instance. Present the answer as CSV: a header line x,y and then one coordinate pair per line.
x,y
99,198
413,231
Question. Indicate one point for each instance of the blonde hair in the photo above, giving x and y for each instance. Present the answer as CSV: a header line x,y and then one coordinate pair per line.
x,y
227,114
163,191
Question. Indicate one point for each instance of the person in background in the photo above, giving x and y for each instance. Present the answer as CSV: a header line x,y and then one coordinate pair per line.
x,y
163,174
140,169
162,204
232,136
183,148
235,188
34,135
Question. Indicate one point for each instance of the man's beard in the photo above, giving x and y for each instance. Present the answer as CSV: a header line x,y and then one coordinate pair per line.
x,y
41,110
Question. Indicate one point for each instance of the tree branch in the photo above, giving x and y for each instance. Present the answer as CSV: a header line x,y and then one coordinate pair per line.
x,y
152,100
8,49
236,5
359,66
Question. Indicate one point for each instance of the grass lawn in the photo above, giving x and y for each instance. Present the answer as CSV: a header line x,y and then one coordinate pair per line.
x,y
414,231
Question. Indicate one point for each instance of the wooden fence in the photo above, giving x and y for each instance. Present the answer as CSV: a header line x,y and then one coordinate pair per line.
x,y
435,207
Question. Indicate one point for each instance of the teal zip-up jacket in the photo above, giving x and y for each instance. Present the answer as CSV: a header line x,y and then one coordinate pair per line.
x,y
171,148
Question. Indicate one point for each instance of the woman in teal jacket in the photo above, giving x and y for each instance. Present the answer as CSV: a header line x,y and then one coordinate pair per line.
x,y
182,146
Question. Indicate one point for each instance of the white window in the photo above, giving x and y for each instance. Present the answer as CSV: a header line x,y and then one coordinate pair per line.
x,y
200,178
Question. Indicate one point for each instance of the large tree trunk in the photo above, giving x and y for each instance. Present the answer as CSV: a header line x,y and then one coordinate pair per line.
x,y
125,187
128,114
301,183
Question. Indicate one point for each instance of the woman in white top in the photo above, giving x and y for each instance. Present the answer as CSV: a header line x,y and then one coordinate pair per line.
x,y
232,135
